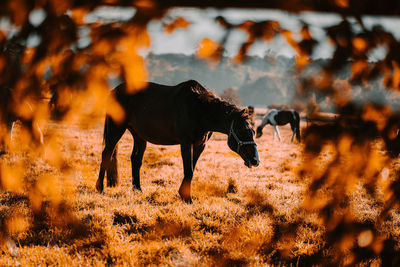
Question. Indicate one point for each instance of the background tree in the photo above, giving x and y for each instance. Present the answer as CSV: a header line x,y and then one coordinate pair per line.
x,y
231,96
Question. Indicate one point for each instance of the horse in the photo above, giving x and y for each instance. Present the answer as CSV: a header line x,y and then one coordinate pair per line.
x,y
185,114
11,52
8,119
281,117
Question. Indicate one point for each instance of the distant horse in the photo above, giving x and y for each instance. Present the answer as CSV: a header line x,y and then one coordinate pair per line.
x,y
184,114
11,52
7,123
281,117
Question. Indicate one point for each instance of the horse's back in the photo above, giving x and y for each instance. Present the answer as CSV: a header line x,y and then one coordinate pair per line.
x,y
283,117
160,99
156,112
121,92
155,90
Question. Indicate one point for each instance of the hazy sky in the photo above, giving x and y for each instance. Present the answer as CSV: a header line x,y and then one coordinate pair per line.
x,y
203,25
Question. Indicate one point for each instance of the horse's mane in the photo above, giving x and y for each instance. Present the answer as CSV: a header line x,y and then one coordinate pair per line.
x,y
213,103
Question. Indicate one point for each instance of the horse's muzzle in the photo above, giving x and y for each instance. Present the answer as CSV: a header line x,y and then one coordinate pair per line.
x,y
252,163
258,132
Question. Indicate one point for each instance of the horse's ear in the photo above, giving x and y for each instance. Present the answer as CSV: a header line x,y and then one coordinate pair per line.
x,y
244,113
241,114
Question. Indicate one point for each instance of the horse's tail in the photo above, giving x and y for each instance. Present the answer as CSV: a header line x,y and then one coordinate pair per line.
x,y
105,132
112,170
297,123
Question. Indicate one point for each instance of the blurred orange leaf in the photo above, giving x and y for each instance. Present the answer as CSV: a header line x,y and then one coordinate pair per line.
x,y
179,22
379,116
2,63
60,6
342,3
302,60
17,224
207,48
365,238
11,179
396,74
19,11
305,33
358,67
115,110
2,35
360,44
145,3
78,15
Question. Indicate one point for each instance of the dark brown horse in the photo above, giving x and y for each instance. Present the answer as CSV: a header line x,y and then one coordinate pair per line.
x,y
184,114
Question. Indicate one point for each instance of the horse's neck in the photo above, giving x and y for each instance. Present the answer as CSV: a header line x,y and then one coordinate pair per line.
x,y
216,116
268,119
217,122
221,125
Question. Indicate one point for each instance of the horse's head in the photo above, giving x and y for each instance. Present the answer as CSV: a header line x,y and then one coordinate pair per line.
x,y
240,140
259,132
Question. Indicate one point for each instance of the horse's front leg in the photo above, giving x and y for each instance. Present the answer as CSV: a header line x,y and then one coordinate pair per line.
x,y
136,159
37,133
294,128
194,153
277,132
10,126
187,158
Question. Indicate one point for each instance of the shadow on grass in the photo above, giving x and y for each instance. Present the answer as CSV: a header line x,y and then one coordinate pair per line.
x,y
162,228
57,225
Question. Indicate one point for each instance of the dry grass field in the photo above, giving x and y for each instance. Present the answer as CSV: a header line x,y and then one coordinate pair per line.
x,y
240,216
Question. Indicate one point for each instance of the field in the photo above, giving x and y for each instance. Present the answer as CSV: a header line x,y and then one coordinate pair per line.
x,y
240,216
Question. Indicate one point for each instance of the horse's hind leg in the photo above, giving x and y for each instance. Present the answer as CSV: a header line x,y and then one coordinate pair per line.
x,y
112,134
296,131
136,159
190,155
293,131
112,172
6,139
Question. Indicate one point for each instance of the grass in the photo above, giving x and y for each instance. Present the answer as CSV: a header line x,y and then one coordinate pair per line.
x,y
240,216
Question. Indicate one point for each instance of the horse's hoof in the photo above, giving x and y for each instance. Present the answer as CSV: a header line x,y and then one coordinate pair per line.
x,y
99,187
184,192
111,184
136,188
187,200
